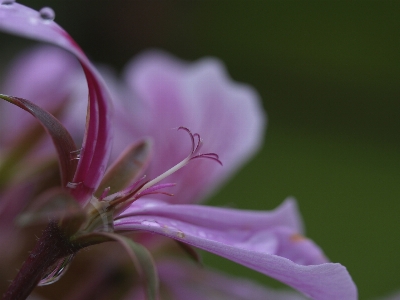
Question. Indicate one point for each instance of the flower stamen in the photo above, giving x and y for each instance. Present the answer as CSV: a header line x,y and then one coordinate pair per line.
x,y
139,188
194,154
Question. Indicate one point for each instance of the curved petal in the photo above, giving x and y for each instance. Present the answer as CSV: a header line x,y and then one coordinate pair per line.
x,y
181,281
257,240
188,281
48,77
286,215
20,20
164,94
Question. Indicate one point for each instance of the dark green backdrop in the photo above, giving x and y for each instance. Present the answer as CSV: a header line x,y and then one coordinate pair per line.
x,y
328,73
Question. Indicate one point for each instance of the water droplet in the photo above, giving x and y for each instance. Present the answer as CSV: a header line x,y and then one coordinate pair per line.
x,y
47,13
73,185
264,241
75,154
151,223
202,234
149,204
57,270
8,2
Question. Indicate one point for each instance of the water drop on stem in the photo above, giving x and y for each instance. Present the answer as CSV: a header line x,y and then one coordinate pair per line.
x,y
55,272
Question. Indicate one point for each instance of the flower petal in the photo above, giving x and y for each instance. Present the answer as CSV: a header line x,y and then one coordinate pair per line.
x,y
264,241
20,20
188,281
169,93
47,76
286,215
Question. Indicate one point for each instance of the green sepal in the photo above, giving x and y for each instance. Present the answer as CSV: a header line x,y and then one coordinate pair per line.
x,y
140,256
126,169
62,140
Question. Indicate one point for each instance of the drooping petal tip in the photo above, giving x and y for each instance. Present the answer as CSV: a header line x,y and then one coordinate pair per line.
x,y
263,241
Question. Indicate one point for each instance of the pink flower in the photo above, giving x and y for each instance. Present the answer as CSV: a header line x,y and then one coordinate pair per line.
x,y
163,93
171,94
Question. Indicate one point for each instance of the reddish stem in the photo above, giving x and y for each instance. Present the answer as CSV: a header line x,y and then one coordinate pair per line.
x,y
52,246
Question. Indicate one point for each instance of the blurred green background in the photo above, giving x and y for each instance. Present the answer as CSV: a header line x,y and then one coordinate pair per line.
x,y
328,74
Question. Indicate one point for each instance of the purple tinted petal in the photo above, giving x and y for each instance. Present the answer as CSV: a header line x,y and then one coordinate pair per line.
x,y
169,94
188,281
182,281
46,76
264,232
258,241
20,20
285,215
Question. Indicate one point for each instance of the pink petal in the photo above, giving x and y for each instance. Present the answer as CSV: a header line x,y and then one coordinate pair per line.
x,y
20,20
188,281
264,241
47,77
286,215
164,94
182,281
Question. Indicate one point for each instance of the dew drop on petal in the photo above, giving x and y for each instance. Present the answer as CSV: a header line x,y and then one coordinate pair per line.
x,y
47,14
202,234
180,234
75,155
57,270
7,2
150,223
73,185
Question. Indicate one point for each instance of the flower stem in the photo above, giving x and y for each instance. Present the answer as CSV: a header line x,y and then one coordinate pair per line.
x,y
52,246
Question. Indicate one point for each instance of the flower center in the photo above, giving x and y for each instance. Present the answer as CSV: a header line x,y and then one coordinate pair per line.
x,y
102,209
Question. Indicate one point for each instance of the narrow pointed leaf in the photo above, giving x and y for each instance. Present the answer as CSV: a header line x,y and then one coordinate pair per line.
x,y
21,20
12,165
61,138
126,168
143,261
